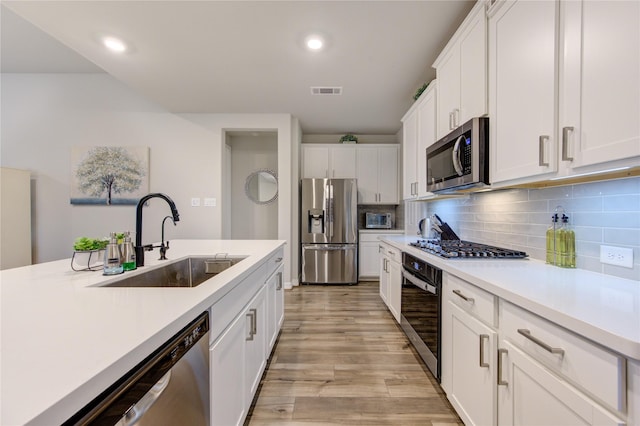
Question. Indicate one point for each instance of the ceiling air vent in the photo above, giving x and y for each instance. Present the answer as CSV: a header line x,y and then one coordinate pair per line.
x,y
326,90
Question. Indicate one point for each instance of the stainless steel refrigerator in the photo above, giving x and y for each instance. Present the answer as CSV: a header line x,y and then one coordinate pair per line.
x,y
329,231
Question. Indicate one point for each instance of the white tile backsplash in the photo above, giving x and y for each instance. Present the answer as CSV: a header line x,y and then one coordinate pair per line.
x,y
600,212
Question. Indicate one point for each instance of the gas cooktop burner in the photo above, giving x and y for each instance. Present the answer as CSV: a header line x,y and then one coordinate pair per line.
x,y
457,249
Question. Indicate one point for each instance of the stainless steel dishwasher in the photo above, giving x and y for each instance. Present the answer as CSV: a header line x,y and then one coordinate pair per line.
x,y
170,387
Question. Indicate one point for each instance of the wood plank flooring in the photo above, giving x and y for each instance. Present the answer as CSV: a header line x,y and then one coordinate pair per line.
x,y
342,359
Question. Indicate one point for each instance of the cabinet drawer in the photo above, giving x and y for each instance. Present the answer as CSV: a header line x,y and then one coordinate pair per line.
x,y
590,367
472,299
226,309
392,253
274,261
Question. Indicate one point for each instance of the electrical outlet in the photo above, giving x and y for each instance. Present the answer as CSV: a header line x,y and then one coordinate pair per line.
x,y
195,202
618,256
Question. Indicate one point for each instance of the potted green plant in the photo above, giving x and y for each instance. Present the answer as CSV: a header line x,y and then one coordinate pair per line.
x,y
349,138
420,90
88,254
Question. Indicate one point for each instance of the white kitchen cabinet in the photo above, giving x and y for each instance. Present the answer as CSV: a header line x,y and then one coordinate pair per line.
x,y
419,132
368,254
473,348
377,172
469,346
328,161
391,278
15,215
256,343
529,393
275,306
461,69
599,84
568,73
227,361
522,66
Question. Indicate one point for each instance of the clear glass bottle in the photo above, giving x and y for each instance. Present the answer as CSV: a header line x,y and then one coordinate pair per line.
x,y
112,264
552,250
567,240
128,253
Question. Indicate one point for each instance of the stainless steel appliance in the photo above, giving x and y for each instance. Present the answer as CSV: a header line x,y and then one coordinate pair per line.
x,y
420,308
377,220
170,387
460,159
329,231
460,249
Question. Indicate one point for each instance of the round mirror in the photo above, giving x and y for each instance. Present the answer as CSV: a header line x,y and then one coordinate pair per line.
x,y
262,186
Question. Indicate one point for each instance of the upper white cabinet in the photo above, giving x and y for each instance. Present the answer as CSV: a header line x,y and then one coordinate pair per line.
x,y
599,82
418,132
574,63
377,172
328,161
461,70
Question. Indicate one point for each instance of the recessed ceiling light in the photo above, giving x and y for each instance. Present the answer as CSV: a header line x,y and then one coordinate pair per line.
x,y
114,44
314,43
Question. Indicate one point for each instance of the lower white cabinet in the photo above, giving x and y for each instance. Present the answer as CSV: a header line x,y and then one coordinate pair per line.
x,y
238,354
391,278
529,393
473,368
275,306
368,259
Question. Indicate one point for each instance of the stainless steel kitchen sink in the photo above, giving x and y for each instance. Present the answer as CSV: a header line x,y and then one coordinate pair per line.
x,y
188,272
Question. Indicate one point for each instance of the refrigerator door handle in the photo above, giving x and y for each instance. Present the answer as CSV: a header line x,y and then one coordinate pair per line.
x,y
330,191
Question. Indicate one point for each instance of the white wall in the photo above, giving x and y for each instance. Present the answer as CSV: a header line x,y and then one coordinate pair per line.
x,y
44,115
249,153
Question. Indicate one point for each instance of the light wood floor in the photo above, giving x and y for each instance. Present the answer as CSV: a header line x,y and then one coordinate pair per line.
x,y
342,359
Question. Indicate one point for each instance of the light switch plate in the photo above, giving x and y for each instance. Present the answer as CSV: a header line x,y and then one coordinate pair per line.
x,y
195,202
618,256
209,202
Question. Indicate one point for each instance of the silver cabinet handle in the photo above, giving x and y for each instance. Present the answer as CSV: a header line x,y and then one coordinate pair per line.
x,y
456,119
501,381
380,249
279,282
251,316
565,143
526,333
465,298
451,120
278,260
483,338
541,145
254,321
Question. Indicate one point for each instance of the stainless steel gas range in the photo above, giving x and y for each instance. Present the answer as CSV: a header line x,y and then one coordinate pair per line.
x,y
460,249
421,302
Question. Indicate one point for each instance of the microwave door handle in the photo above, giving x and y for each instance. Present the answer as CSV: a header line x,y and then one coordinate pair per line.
x,y
455,154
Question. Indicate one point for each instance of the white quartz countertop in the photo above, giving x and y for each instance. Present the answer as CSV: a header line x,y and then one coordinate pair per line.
x,y
381,231
64,339
602,308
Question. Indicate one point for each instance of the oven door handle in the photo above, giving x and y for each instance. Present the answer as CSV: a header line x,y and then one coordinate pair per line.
x,y
419,283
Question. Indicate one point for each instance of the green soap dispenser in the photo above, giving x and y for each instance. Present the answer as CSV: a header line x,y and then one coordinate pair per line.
x,y
567,244
551,258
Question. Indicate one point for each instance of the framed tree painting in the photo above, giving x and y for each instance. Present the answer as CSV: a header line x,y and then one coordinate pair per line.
x,y
109,175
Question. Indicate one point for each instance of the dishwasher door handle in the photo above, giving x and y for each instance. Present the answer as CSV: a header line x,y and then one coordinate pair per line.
x,y
138,409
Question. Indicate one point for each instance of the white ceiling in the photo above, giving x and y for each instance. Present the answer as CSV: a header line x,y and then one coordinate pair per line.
x,y
245,56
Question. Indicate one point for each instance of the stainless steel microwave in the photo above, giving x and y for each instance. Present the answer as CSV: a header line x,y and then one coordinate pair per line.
x,y
377,220
461,159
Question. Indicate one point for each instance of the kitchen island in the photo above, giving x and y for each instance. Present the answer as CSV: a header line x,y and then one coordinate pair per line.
x,y
65,338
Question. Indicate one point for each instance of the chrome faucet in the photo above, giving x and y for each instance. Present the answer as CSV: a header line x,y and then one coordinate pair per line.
x,y
163,247
140,249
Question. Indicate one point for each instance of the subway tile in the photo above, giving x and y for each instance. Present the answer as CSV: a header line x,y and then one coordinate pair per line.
x,y
589,263
559,192
609,187
529,229
589,233
627,202
608,219
587,204
585,248
619,271
625,237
